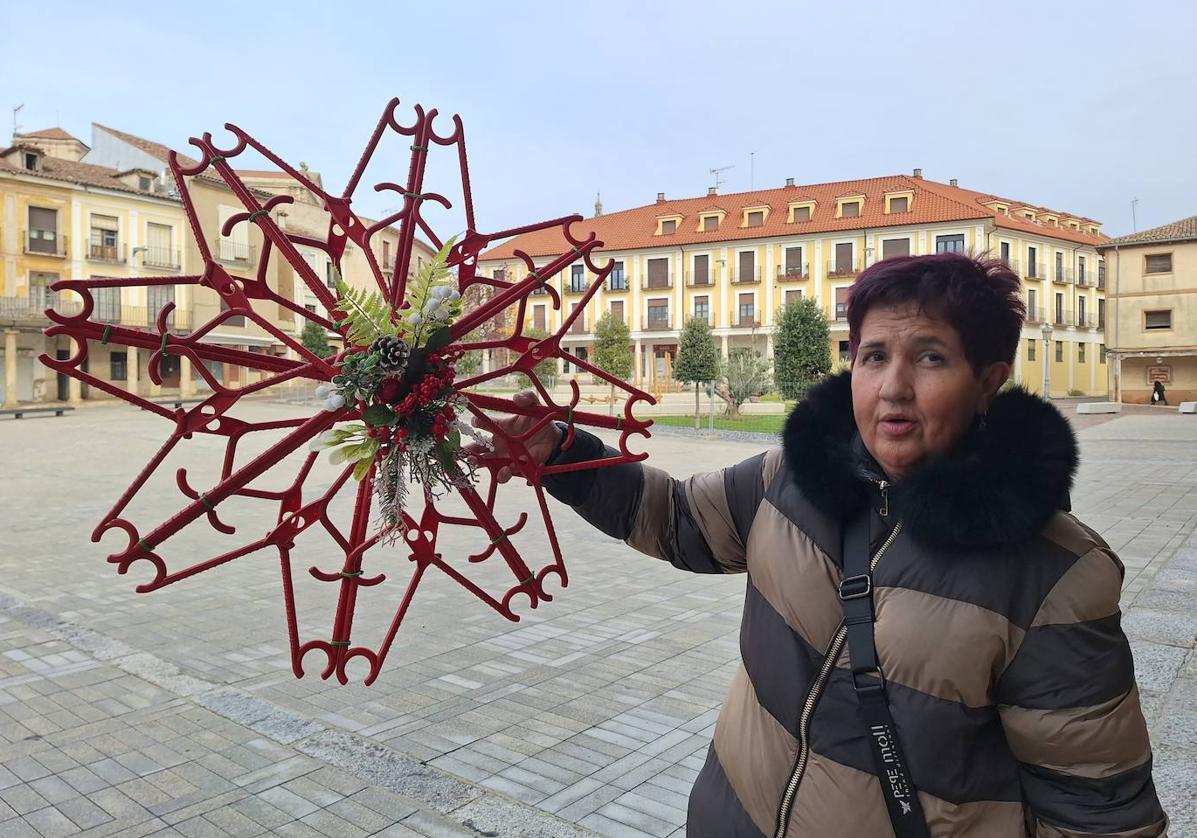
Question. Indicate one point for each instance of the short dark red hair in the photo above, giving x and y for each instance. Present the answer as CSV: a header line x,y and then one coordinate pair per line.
x,y
977,296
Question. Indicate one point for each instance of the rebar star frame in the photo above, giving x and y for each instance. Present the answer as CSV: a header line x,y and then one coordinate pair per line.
x,y
297,510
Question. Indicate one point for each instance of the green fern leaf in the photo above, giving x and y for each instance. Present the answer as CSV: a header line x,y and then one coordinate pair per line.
x,y
368,314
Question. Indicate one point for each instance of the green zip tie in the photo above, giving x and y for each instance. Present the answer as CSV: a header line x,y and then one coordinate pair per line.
x,y
347,575
338,643
529,580
255,214
217,159
145,545
204,500
415,195
499,539
540,280
165,335
419,148
107,332
581,255
618,423
569,416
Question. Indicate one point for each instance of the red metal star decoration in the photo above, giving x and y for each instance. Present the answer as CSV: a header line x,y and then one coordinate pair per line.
x,y
300,510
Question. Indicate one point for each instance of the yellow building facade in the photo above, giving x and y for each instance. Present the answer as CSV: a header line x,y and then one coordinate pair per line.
x,y
1152,331
735,260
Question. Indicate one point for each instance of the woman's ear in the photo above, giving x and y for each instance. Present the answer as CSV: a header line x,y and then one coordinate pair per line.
x,y
992,379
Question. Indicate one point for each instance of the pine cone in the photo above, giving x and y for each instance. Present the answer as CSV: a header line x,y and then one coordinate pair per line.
x,y
392,351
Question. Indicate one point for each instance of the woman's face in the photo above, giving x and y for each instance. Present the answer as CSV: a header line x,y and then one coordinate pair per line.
x,y
914,393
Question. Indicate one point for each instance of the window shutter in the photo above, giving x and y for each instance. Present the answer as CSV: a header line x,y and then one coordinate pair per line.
x,y
702,269
895,247
658,273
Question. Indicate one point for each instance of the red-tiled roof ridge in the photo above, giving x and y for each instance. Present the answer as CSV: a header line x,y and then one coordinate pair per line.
x,y
54,133
1183,230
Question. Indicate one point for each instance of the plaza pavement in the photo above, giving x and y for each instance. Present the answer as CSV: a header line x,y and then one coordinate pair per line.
x,y
176,712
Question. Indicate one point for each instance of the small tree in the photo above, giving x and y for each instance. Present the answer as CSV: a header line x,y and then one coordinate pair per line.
x,y
469,363
802,350
315,338
612,351
745,374
697,358
546,370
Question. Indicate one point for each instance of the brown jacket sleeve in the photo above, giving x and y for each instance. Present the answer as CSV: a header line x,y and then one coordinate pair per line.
x,y
698,524
1070,710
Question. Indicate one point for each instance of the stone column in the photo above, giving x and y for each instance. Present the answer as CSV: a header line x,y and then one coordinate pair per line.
x,y
74,390
637,374
723,346
186,384
132,371
10,367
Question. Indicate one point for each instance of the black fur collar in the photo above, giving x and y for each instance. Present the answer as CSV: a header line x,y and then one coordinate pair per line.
x,y
998,488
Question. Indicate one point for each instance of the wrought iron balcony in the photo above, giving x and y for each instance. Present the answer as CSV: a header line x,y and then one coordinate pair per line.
x,y
227,250
162,257
139,317
844,268
705,281
1035,315
656,324
657,284
749,277
31,310
1036,270
98,251
1063,318
617,282
45,243
1062,276
747,321
793,273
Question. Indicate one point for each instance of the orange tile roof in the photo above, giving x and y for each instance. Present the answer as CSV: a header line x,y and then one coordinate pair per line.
x,y
49,134
933,203
155,150
70,171
1183,230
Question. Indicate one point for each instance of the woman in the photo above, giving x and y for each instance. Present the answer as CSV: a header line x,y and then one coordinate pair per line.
x,y
982,685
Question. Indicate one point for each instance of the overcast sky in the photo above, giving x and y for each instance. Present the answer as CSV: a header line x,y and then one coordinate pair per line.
x,y
1078,106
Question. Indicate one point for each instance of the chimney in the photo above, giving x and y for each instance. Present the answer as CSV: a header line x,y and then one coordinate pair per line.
x,y
712,190
789,181
598,204
918,172
660,197
953,182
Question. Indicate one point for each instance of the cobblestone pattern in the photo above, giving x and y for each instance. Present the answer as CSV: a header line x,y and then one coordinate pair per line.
x,y
177,712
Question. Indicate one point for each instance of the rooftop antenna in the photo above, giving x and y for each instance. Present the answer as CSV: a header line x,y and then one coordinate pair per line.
x,y
717,172
16,126
751,170
1134,220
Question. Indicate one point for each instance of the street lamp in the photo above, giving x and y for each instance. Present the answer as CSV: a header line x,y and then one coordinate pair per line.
x,y
1047,361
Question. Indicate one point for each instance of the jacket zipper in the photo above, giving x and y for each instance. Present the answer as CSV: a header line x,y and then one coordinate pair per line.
x,y
812,696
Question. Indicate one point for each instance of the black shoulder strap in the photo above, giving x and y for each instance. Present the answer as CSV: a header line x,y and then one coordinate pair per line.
x,y
856,596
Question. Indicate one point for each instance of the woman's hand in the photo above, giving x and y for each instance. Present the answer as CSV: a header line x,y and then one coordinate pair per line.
x,y
540,445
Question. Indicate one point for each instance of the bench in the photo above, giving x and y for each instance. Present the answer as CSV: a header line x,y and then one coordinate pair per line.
x,y
1098,407
19,412
1187,407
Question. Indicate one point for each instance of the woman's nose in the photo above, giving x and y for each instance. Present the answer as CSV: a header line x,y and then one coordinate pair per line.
x,y
897,383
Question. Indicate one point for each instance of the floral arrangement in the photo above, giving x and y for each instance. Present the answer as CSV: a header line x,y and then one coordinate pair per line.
x,y
399,375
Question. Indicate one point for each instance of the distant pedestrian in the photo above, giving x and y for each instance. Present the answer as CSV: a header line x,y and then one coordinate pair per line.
x,y
1157,393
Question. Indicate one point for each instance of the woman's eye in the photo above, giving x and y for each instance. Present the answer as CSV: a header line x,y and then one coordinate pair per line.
x,y
933,358
875,357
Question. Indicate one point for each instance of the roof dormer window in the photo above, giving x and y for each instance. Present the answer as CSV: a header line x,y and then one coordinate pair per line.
x,y
801,211
849,206
667,224
708,222
755,216
32,160
898,202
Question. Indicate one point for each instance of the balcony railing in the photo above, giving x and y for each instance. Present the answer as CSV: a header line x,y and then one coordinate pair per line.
x,y
99,252
139,317
617,282
793,273
1011,263
45,243
1063,318
657,284
748,277
704,281
835,268
577,287
747,321
1036,270
656,324
1084,279
32,310
388,262
162,257
1101,278
1062,276
228,250
841,311
1035,315
1088,320
578,327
